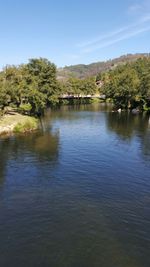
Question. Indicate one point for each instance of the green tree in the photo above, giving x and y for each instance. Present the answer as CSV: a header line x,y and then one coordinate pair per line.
x,y
43,76
122,86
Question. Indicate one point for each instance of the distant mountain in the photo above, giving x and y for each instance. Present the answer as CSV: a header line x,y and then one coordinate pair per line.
x,y
83,71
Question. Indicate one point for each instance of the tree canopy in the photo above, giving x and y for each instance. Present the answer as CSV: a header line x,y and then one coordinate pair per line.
x,y
34,83
33,86
128,85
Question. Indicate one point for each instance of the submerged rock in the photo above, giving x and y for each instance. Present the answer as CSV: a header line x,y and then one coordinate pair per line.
x,y
135,111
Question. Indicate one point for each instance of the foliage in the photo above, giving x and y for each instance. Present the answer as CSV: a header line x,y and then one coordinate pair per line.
x,y
31,87
25,108
29,125
129,85
80,86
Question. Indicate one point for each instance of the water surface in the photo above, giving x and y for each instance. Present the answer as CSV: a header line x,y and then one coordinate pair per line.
x,y
77,192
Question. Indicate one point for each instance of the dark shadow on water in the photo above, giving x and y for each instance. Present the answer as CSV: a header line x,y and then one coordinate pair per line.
x,y
40,146
127,126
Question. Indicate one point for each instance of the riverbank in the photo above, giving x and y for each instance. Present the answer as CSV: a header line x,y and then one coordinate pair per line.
x,y
14,122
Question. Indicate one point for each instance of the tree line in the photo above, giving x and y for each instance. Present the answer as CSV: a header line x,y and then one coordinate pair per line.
x,y
33,86
29,86
128,85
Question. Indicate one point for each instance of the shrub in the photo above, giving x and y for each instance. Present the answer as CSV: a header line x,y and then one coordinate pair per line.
x,y
25,108
26,126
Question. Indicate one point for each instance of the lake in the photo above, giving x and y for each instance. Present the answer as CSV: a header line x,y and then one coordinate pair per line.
x,y
76,193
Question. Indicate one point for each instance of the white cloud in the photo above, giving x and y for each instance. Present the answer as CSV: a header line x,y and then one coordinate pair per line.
x,y
139,26
121,31
134,9
145,18
126,36
139,7
102,37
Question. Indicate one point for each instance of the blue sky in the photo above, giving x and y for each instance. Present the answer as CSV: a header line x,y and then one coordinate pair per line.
x,y
72,32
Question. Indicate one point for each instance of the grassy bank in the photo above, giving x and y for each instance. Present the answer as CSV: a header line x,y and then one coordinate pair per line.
x,y
17,123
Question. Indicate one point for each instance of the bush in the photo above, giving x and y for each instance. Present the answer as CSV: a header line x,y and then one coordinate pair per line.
x,y
25,108
28,125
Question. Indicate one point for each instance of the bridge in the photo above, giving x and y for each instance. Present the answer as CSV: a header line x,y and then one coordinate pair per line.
x,y
76,96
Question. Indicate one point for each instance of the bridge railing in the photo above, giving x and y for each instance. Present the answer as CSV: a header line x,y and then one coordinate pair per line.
x,y
70,96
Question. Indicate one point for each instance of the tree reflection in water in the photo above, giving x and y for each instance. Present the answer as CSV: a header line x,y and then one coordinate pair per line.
x,y
40,145
127,126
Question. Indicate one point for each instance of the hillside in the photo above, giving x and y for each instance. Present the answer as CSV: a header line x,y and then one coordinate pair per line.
x,y
82,71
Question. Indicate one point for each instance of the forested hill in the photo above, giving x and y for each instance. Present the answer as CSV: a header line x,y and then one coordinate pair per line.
x,y
83,71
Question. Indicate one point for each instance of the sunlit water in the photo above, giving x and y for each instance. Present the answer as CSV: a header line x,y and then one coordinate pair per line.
x,y
77,192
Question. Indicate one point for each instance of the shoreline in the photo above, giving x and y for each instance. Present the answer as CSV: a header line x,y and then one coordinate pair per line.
x,y
14,122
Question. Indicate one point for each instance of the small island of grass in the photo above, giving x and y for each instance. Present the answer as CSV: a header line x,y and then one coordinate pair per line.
x,y
14,122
